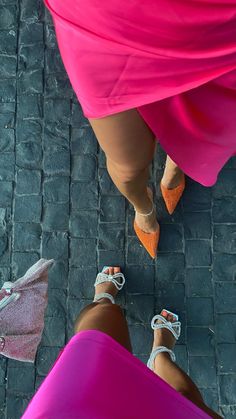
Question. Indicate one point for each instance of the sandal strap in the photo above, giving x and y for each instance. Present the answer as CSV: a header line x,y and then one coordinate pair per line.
x,y
102,277
145,215
155,352
104,295
173,327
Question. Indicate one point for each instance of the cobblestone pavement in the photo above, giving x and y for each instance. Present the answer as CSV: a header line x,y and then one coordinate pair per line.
x,y
57,201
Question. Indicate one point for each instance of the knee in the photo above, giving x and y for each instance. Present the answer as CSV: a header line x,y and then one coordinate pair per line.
x,y
125,173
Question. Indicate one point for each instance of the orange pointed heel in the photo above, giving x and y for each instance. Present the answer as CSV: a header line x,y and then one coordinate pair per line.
x,y
149,240
172,196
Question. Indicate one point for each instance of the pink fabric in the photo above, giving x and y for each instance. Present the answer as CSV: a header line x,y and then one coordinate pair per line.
x,y
22,306
96,378
121,55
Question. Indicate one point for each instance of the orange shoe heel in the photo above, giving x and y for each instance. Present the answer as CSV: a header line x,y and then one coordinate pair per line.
x,y
149,240
172,196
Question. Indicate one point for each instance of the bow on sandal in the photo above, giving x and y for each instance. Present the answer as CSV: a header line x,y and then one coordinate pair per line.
x,y
173,327
117,279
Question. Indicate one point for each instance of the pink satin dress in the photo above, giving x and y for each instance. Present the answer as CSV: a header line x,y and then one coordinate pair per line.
x,y
173,60
96,378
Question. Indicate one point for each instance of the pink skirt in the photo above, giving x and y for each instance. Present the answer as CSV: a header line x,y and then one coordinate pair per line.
x,y
173,61
96,378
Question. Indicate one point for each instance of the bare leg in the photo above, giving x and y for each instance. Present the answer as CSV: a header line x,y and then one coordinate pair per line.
x,y
172,175
129,146
105,316
172,374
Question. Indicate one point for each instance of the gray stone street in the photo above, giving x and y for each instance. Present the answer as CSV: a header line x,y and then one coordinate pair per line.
x,y
57,201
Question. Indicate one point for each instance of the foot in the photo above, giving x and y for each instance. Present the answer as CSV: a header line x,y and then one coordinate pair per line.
x,y
163,337
149,223
172,174
108,287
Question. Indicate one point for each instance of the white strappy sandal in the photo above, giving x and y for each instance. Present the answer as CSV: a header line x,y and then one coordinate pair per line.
x,y
173,327
117,279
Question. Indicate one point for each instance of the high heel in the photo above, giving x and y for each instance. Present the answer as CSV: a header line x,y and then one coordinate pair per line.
x,y
149,240
172,196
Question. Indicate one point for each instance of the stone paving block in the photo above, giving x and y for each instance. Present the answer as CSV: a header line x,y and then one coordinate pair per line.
x,y
30,106
31,33
6,193
15,406
78,119
57,110
224,210
57,163
30,82
110,257
225,185
31,10
56,217
225,297
26,237
56,304
22,261
84,224
2,398
182,357
29,131
226,328
58,85
140,279
144,345
201,341
38,381
107,187
197,225
227,389
200,311
50,37
56,137
4,275
28,182
53,61
224,267
84,168
7,167
139,308
111,236
20,379
202,370
198,253
8,41
210,397
3,370
199,282
226,358
46,356
136,253
112,208
170,267
31,57
171,238
224,240
228,412
83,141
54,332
28,208
8,66
55,245
8,17
56,189
7,140
84,196
7,90
83,252
81,282
58,275
196,197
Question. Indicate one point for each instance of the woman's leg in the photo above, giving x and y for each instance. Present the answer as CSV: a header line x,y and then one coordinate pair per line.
x,y
105,316
172,374
172,175
129,146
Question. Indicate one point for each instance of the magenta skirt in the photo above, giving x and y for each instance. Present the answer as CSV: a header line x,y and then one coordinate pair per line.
x,y
175,61
96,378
